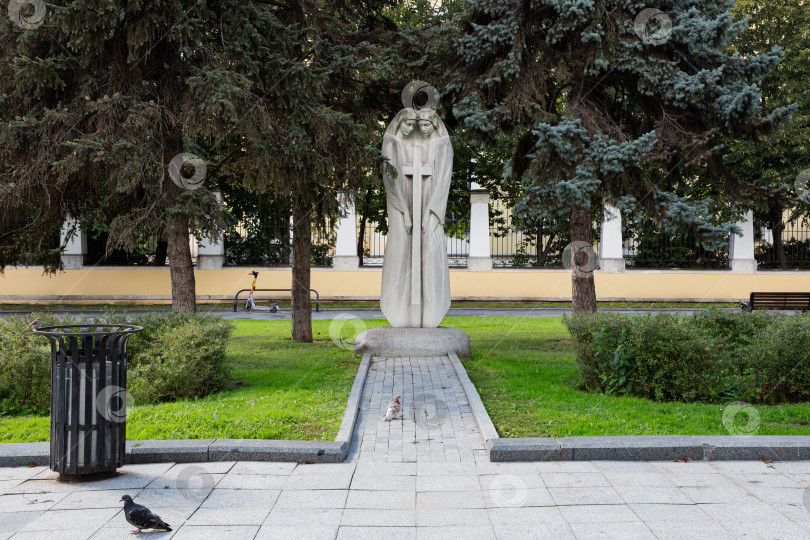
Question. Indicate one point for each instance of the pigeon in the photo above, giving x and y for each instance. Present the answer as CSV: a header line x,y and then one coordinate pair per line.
x,y
141,517
393,409
34,325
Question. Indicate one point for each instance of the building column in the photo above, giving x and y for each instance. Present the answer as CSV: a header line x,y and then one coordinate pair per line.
x,y
211,254
611,254
76,248
346,247
741,252
480,258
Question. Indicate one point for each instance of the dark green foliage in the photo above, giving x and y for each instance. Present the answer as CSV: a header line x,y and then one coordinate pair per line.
x,y
180,358
713,356
25,367
177,356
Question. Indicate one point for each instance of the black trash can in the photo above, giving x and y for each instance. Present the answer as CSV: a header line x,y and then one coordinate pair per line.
x,y
88,396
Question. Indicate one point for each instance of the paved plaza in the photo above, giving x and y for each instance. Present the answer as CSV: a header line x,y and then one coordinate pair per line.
x,y
419,499
424,475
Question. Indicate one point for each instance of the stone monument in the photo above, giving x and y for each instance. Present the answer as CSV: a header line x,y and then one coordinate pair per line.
x,y
415,293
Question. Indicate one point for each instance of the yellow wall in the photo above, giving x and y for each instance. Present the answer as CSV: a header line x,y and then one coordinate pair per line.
x,y
151,285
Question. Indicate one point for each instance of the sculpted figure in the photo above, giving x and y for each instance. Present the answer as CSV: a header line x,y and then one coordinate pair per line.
x,y
416,279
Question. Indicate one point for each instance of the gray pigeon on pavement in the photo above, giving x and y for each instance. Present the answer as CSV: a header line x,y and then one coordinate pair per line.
x,y
141,517
393,410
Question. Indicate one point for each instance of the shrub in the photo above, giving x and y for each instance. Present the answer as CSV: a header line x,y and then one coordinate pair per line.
x,y
714,356
182,357
25,367
177,356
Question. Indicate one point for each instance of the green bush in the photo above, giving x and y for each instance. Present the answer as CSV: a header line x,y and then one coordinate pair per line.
x,y
181,357
713,356
25,367
177,356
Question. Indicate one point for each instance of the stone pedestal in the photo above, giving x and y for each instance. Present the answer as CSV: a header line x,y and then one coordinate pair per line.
x,y
396,342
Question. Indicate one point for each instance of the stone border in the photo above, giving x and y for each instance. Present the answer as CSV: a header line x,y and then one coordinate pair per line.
x,y
202,450
634,448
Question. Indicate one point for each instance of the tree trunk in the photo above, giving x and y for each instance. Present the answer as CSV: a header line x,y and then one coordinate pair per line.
x,y
301,256
361,234
583,289
181,269
776,216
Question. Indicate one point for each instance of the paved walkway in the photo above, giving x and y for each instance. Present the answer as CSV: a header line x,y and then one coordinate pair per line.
x,y
422,499
435,423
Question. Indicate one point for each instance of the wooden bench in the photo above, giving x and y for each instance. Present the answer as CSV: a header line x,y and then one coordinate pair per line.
x,y
786,301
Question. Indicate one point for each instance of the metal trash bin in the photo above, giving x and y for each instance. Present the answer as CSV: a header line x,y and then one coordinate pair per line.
x,y
88,396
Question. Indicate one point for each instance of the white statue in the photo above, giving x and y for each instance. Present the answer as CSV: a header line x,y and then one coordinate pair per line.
x,y
416,279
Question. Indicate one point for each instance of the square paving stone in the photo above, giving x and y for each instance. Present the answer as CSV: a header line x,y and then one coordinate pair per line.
x,y
455,533
374,482
318,481
652,495
363,517
516,498
552,467
12,522
642,479
376,533
574,480
80,500
235,507
386,469
320,517
252,481
717,494
444,517
447,483
450,499
323,469
677,513
678,530
381,499
540,531
79,521
634,530
467,468
22,502
600,513
321,498
20,473
293,532
763,480
525,516
585,495
203,532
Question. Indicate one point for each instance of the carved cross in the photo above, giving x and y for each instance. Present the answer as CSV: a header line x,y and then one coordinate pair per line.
x,y
418,172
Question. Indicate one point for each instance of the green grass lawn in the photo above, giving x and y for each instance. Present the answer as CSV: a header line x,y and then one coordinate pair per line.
x,y
282,390
524,369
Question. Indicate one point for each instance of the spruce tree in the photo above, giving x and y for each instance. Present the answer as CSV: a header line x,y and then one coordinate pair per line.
x,y
614,101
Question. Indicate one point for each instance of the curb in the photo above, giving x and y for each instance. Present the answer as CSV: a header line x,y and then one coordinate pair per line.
x,y
204,450
630,448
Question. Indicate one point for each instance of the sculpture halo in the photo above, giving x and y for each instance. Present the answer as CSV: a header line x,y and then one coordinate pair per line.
x,y
413,88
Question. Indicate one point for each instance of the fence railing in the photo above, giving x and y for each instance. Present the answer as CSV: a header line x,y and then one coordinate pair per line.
x,y
795,252
646,245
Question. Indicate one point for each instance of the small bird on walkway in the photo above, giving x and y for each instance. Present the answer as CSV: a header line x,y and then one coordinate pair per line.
x,y
393,410
33,325
141,517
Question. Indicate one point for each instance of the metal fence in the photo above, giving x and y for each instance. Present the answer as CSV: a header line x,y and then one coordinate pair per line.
x,y
373,241
795,245
646,245
515,245
268,242
149,251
